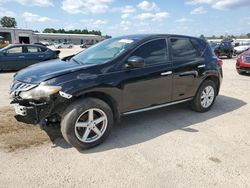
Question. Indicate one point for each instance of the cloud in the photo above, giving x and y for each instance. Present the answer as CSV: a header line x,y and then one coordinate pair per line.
x,y
6,12
30,17
128,9
184,20
125,16
147,6
221,4
125,24
199,10
40,3
94,22
86,6
159,16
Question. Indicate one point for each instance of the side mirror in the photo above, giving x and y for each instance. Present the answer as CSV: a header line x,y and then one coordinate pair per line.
x,y
135,62
4,53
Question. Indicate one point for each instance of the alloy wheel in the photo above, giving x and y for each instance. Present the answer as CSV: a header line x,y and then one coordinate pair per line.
x,y
207,96
91,125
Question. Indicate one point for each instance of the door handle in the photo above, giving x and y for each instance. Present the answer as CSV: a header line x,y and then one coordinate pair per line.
x,y
189,73
166,73
21,56
41,56
201,66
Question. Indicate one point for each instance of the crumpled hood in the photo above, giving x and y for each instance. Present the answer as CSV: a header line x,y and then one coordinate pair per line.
x,y
46,70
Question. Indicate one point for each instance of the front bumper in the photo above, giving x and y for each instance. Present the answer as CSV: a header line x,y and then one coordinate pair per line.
x,y
243,69
30,112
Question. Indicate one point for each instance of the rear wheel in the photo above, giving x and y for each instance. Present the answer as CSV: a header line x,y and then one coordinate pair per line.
x,y
205,96
87,123
229,56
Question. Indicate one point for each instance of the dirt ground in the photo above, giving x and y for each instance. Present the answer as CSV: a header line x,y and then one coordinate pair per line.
x,y
169,147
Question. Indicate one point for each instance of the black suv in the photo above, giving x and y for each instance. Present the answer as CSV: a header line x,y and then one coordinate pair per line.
x,y
224,49
88,92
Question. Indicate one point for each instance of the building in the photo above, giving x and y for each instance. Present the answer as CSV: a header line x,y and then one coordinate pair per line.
x,y
15,35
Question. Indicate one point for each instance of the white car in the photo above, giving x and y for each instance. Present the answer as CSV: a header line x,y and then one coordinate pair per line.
x,y
239,49
64,45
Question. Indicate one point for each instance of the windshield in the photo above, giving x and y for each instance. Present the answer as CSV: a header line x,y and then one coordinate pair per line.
x,y
104,51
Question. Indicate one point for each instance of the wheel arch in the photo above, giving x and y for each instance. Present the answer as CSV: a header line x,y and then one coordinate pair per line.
x,y
106,98
215,79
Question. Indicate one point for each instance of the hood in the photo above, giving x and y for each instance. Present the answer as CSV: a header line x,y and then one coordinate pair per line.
x,y
46,70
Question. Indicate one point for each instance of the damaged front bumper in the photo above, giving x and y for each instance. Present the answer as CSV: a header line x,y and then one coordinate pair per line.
x,y
31,112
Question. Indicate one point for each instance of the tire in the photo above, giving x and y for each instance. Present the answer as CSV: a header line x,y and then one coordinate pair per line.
x,y
198,104
229,56
81,109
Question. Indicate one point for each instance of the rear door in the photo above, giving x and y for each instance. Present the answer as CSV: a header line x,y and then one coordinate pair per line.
x,y
34,55
188,66
13,58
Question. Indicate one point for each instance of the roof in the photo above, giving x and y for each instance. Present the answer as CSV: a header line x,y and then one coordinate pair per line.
x,y
148,36
66,34
12,28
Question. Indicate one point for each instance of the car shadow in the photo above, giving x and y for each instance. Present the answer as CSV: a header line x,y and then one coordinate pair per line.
x,y
142,127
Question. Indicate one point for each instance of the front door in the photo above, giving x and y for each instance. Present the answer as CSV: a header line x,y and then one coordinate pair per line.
x,y
152,84
13,58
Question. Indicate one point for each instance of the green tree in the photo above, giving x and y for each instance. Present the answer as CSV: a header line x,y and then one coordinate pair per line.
x,y
8,22
248,35
202,37
76,31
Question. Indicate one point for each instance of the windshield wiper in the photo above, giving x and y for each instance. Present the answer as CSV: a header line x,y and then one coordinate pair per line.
x,y
76,61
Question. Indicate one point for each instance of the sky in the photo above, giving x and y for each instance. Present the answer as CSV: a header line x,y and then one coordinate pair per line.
x,y
121,17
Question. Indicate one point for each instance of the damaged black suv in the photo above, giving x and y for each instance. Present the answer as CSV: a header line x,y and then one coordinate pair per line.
x,y
88,92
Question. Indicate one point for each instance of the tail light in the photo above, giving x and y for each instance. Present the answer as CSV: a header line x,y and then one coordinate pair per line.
x,y
220,62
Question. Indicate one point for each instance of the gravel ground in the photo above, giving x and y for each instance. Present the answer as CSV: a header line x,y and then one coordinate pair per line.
x,y
169,147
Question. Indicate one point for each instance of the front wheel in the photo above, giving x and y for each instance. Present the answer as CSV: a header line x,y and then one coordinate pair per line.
x,y
86,123
204,97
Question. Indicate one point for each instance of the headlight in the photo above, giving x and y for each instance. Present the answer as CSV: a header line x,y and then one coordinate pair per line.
x,y
42,91
245,59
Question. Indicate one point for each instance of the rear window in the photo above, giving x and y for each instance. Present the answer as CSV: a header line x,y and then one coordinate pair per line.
x,y
200,45
182,49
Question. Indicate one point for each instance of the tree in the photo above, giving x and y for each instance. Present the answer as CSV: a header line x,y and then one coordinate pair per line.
x,y
76,31
202,37
8,22
248,35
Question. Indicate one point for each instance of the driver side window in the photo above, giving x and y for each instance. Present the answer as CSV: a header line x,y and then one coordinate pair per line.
x,y
153,52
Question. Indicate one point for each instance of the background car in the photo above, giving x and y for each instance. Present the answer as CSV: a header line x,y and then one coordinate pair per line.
x,y
39,43
239,49
87,44
16,57
243,62
64,45
224,49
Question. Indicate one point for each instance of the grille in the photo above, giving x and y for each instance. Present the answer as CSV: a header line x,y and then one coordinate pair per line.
x,y
17,86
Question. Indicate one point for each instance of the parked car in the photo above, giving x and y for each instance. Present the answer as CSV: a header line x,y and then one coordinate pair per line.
x,y
90,91
243,62
224,49
239,49
64,45
41,44
16,57
86,44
